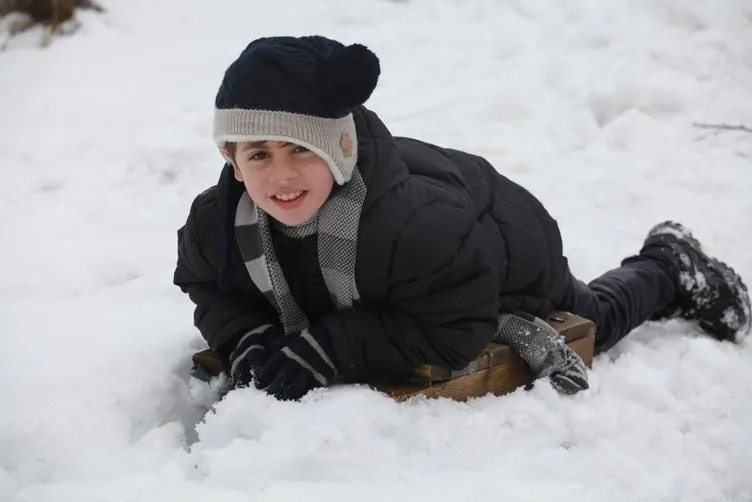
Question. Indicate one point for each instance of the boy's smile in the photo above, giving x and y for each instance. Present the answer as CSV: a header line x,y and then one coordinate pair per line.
x,y
289,182
290,200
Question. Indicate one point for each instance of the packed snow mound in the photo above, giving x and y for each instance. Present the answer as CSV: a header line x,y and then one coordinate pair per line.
x,y
106,139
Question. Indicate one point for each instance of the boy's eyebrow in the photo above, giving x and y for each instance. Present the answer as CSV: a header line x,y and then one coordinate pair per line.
x,y
260,144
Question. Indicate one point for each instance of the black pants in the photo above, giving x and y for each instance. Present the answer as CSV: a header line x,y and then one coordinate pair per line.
x,y
621,299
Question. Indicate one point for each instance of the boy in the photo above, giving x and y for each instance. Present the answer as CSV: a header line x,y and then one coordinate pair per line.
x,y
331,247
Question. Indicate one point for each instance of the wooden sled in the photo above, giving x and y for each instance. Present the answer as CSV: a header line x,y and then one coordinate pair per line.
x,y
498,370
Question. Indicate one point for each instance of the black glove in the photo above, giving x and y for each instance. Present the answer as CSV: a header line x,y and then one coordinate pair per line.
x,y
544,350
250,354
303,364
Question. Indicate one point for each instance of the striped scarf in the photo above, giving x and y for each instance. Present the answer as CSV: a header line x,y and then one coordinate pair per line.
x,y
338,222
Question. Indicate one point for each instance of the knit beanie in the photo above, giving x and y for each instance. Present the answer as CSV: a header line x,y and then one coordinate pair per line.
x,y
301,90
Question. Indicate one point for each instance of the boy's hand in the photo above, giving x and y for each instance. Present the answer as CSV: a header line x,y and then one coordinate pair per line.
x,y
303,364
566,370
251,353
544,350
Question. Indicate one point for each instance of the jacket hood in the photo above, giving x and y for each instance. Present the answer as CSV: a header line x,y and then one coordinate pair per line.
x,y
379,161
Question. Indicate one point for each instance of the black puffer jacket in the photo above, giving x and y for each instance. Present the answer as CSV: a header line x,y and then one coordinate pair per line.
x,y
445,243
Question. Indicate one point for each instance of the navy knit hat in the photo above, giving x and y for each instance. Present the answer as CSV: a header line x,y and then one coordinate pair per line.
x,y
300,90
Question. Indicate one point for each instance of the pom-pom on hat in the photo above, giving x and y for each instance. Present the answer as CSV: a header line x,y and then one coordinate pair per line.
x,y
301,90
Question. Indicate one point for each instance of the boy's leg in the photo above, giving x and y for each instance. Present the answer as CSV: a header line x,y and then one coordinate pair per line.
x,y
672,276
621,299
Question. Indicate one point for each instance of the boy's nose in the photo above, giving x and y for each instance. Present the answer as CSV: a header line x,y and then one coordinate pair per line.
x,y
282,172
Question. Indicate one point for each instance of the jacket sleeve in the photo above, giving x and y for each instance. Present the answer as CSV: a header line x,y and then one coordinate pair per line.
x,y
441,306
220,316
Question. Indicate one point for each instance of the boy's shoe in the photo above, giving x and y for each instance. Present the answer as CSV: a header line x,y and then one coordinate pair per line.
x,y
708,290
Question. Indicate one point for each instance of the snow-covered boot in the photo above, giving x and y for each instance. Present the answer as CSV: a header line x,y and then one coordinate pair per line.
x,y
707,290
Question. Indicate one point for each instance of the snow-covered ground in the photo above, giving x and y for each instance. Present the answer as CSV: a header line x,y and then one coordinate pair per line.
x,y
105,138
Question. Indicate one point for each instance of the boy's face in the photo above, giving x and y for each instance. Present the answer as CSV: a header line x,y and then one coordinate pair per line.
x,y
287,181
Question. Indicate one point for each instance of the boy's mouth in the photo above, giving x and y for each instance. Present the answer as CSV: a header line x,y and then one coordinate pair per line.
x,y
289,200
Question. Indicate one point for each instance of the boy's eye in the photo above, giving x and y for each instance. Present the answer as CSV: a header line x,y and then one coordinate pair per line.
x,y
300,149
258,155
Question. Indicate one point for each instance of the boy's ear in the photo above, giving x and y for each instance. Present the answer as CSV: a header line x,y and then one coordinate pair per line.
x,y
238,173
226,154
228,157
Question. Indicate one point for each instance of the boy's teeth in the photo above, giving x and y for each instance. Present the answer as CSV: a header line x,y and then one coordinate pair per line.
x,y
289,196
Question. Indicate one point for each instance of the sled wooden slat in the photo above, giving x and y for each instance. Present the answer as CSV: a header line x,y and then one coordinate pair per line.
x,y
209,361
498,370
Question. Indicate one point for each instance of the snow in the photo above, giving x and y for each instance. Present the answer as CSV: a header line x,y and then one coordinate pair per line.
x,y
106,138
